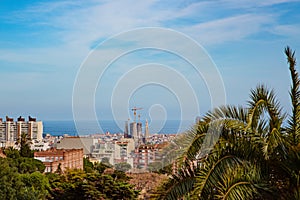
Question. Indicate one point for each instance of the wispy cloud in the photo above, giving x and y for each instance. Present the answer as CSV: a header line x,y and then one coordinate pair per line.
x,y
228,29
76,23
291,31
252,3
78,26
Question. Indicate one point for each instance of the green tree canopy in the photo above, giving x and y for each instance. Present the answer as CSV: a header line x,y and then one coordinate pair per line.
x,y
77,184
123,166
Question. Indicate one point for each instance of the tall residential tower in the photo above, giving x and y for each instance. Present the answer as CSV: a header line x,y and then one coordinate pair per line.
x,y
11,131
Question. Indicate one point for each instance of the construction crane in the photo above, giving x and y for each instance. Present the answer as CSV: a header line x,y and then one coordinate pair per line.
x,y
134,112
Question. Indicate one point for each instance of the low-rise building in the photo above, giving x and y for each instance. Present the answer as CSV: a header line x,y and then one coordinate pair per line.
x,y
64,159
75,142
40,145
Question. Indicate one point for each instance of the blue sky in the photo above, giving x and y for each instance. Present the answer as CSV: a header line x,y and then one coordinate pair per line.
x,y
44,43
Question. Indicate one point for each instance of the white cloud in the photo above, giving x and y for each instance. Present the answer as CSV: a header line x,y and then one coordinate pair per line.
x,y
228,29
292,31
80,24
252,3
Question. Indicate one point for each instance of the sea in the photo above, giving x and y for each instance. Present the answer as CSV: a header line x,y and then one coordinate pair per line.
x,y
60,128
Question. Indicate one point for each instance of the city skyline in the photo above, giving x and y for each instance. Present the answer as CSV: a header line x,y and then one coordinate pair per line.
x,y
44,43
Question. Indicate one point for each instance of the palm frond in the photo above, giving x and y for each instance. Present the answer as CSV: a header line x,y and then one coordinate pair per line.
x,y
179,185
294,120
227,112
210,172
264,100
272,142
243,182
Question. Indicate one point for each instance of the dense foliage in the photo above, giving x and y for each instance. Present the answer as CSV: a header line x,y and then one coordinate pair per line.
x,y
23,178
92,183
77,184
159,168
237,152
123,166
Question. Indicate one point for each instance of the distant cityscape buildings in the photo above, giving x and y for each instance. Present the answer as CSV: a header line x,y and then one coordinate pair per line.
x,y
136,130
11,131
135,146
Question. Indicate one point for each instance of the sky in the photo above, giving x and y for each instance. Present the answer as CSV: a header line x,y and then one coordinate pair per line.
x,y
44,45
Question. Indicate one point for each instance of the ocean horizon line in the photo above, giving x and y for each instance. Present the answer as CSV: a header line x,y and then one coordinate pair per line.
x,y
59,128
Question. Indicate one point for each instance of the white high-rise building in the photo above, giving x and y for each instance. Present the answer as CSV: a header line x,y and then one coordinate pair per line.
x,y
11,131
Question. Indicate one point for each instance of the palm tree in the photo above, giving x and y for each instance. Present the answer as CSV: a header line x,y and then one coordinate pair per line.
x,y
292,164
24,141
294,121
255,156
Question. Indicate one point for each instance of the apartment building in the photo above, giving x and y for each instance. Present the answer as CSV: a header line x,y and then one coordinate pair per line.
x,y
115,151
10,130
146,154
